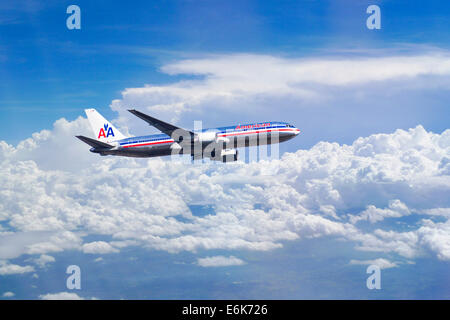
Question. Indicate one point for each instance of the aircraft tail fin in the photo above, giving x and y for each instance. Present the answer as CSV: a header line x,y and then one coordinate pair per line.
x,y
104,131
95,143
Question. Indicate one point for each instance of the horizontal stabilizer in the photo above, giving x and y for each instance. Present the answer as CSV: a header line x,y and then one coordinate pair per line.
x,y
95,143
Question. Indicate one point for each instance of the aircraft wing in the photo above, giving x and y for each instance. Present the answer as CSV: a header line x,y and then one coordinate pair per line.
x,y
164,127
95,143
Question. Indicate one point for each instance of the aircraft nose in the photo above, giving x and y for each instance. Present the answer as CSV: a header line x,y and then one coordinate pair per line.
x,y
296,131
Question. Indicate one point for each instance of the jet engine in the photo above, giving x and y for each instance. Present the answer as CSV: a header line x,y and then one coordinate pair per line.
x,y
225,155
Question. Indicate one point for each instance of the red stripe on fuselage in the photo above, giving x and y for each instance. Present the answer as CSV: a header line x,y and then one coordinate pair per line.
x,y
147,144
220,135
259,131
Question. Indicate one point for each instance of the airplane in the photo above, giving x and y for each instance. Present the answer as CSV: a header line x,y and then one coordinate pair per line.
x,y
217,144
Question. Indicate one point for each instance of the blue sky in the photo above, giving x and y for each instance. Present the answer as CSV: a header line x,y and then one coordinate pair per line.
x,y
142,228
50,72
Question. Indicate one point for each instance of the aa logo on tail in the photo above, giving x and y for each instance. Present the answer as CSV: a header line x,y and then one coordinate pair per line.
x,y
105,132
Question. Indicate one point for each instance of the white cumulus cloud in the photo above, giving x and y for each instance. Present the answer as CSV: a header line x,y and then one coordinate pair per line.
x,y
44,260
8,294
98,247
219,261
373,214
8,268
380,262
62,296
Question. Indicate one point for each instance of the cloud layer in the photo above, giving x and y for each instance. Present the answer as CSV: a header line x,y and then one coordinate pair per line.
x,y
330,190
250,84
